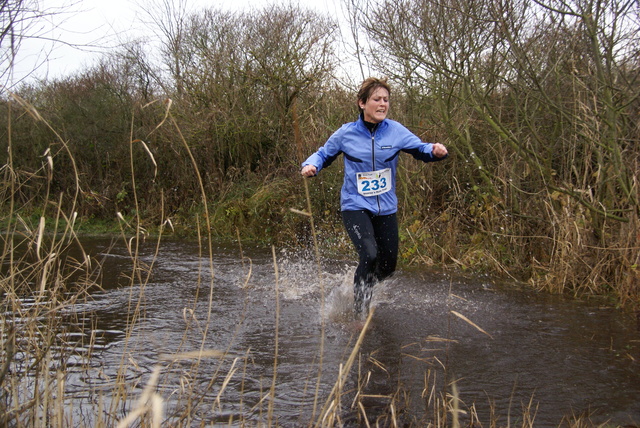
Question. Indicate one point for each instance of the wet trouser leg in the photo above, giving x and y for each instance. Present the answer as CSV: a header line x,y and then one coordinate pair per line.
x,y
376,241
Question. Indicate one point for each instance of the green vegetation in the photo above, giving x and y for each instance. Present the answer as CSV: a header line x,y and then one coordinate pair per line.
x,y
537,102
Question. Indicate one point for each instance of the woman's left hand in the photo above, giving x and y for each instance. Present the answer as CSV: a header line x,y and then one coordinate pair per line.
x,y
439,150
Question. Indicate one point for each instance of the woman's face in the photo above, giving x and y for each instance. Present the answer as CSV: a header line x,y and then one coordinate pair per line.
x,y
377,106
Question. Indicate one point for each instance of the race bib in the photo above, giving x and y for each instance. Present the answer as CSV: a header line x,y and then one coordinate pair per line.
x,y
374,183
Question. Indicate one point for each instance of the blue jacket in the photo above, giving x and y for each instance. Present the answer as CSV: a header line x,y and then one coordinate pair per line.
x,y
366,151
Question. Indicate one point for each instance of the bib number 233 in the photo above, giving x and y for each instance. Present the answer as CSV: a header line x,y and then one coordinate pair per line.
x,y
374,183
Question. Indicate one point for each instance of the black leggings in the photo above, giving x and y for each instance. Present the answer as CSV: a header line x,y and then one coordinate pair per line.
x,y
376,241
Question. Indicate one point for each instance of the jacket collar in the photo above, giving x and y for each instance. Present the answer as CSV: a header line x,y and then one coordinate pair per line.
x,y
371,127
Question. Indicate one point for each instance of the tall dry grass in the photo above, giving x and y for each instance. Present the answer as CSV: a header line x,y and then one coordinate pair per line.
x,y
46,272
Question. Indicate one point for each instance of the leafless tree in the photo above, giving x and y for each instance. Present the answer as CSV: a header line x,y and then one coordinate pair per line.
x,y
168,20
22,20
540,98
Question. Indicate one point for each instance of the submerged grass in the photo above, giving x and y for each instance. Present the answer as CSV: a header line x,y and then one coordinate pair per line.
x,y
45,272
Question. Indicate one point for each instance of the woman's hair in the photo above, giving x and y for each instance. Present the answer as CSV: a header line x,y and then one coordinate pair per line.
x,y
369,86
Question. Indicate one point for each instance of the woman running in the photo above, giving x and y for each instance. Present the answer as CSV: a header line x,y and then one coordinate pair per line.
x,y
368,200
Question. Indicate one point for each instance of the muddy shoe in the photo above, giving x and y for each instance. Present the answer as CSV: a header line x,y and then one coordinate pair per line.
x,y
360,309
362,300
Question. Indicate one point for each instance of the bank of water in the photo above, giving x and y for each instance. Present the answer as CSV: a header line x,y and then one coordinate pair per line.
x,y
512,354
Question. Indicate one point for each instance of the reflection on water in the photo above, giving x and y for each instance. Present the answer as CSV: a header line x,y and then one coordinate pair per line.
x,y
554,356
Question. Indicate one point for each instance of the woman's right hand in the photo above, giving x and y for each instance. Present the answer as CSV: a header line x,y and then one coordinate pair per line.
x,y
308,171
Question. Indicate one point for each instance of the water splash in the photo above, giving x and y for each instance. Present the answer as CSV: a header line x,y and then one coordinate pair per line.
x,y
339,302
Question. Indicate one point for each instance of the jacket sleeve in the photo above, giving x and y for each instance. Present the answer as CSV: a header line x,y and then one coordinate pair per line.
x,y
327,153
417,148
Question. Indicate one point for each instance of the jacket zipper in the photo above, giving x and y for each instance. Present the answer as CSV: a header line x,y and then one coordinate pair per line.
x,y
373,162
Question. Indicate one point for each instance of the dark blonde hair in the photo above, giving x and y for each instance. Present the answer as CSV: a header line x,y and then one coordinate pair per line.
x,y
369,86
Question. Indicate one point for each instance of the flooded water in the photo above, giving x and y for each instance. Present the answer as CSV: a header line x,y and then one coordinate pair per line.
x,y
512,354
